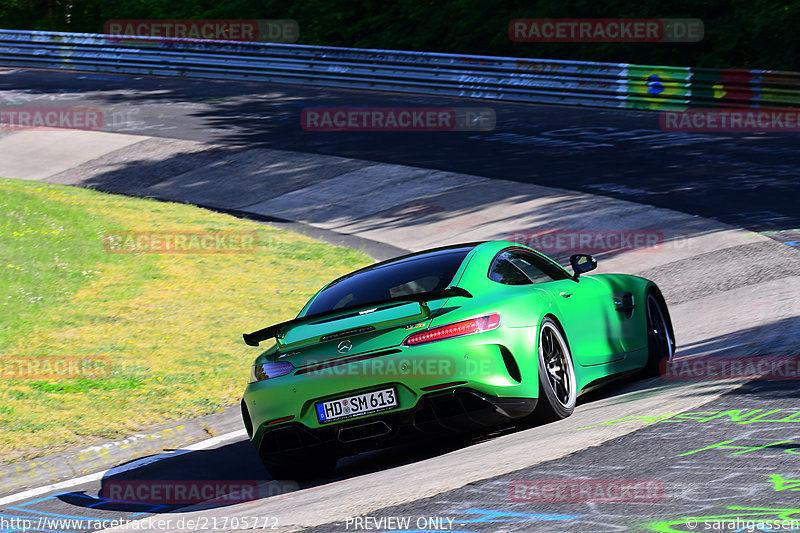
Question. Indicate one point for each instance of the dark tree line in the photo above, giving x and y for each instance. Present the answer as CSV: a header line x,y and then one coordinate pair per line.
x,y
738,33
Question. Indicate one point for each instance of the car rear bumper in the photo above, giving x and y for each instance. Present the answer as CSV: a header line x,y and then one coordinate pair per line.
x,y
496,363
454,411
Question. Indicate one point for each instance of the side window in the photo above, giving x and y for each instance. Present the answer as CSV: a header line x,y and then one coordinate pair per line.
x,y
504,271
522,268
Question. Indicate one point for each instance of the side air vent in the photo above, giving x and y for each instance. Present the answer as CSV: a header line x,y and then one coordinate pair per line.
x,y
248,424
511,364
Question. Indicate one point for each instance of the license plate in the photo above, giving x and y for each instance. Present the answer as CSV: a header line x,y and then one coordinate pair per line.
x,y
358,405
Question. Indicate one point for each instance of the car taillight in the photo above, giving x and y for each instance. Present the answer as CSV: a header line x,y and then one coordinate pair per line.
x,y
264,371
456,329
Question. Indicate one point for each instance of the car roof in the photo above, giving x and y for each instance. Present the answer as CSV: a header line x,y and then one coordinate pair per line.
x,y
468,247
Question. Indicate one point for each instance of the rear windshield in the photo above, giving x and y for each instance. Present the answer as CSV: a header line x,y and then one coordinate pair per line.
x,y
424,273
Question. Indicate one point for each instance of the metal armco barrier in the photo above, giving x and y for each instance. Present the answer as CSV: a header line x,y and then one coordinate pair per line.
x,y
619,85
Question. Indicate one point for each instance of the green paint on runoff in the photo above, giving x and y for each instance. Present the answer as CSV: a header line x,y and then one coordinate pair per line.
x,y
752,519
739,416
784,484
726,444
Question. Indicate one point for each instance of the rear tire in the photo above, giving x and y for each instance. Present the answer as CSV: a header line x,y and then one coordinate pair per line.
x,y
301,466
557,386
660,338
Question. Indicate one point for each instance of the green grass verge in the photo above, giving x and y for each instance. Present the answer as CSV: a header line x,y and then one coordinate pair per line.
x,y
169,324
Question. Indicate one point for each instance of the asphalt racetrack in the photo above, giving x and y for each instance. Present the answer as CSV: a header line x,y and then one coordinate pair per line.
x,y
745,179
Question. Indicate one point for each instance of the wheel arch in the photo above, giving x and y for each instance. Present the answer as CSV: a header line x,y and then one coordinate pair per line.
x,y
652,287
555,318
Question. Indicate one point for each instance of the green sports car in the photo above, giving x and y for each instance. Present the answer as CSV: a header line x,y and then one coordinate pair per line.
x,y
449,340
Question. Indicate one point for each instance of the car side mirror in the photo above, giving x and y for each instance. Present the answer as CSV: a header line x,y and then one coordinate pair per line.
x,y
581,264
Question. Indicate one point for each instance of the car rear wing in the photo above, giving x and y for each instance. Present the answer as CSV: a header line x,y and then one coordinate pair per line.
x,y
277,331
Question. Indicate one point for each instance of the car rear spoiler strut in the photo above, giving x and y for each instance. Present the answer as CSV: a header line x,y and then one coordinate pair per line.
x,y
276,331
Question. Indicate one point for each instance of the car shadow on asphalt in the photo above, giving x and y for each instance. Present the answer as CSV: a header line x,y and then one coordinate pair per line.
x,y
235,472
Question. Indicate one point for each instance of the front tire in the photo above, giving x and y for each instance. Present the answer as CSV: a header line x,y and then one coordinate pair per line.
x,y
558,390
660,338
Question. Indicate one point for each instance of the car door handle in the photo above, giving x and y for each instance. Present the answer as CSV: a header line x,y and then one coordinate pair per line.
x,y
565,294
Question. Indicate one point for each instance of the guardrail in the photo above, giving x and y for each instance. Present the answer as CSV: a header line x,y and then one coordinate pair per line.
x,y
619,85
